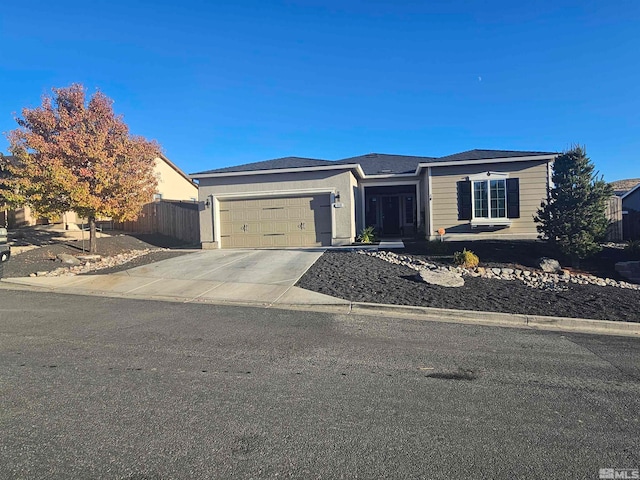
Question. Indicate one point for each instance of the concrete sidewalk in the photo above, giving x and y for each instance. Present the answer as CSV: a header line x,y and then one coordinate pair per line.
x,y
267,278
261,277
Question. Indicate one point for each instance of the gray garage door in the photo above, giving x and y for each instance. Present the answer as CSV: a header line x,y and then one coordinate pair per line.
x,y
276,222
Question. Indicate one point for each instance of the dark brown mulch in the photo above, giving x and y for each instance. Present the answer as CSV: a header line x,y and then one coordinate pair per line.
x,y
43,259
361,278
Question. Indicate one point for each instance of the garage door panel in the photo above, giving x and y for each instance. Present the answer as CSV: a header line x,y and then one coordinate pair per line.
x,y
276,222
249,216
279,214
297,213
276,240
232,241
225,215
273,213
273,228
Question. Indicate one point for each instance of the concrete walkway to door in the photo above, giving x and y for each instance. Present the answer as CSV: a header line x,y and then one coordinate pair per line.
x,y
235,276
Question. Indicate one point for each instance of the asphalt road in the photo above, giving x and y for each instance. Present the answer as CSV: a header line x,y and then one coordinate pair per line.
x,y
110,388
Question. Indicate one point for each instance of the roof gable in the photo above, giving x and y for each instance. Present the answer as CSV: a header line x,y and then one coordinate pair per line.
x,y
386,164
177,169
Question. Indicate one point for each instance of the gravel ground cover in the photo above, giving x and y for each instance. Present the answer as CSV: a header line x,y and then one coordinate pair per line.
x,y
518,254
362,278
43,258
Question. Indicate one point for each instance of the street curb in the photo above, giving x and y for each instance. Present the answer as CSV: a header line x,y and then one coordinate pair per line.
x,y
444,315
540,322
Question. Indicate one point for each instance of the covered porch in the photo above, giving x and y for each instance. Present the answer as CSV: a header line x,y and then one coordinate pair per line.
x,y
392,209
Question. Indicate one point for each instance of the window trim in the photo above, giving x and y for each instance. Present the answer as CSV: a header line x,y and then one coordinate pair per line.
x,y
486,177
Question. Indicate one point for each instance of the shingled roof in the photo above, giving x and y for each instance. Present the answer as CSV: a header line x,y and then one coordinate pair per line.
x,y
276,164
382,163
489,154
373,163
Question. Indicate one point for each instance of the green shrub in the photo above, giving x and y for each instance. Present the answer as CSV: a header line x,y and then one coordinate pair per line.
x,y
633,248
466,258
367,235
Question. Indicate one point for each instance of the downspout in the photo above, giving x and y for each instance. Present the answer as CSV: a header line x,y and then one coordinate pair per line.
x,y
430,204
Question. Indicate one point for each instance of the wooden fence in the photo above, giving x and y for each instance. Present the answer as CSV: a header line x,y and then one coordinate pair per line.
x,y
172,218
614,214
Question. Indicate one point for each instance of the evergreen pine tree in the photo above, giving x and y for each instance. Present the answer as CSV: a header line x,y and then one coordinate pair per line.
x,y
573,217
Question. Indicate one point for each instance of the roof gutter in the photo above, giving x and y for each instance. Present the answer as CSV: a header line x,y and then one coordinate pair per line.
x,y
355,166
485,160
360,173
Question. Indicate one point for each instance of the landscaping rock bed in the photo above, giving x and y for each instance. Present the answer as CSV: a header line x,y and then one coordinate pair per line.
x,y
365,278
117,252
532,278
108,264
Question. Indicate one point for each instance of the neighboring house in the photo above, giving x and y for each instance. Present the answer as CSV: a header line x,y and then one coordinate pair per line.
x,y
620,187
631,199
173,184
627,221
631,213
308,202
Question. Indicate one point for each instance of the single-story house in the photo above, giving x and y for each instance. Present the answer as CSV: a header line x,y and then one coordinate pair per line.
x,y
296,201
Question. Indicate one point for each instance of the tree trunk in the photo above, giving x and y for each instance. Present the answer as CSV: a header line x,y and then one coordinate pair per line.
x,y
93,247
575,261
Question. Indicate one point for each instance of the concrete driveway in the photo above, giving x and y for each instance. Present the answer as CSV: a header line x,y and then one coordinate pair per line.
x,y
236,276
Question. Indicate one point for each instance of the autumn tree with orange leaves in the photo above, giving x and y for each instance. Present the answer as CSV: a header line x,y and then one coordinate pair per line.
x,y
70,154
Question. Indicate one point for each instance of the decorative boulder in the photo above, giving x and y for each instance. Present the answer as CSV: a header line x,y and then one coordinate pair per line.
x,y
68,259
549,265
89,258
443,278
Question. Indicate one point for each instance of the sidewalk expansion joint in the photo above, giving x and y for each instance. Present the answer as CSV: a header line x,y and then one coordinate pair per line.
x,y
204,293
142,286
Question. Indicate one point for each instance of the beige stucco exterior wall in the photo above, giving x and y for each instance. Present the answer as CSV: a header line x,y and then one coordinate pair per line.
x,y
281,184
533,177
172,185
23,216
354,202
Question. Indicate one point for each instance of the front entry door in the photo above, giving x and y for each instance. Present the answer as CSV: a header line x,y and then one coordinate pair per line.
x,y
390,215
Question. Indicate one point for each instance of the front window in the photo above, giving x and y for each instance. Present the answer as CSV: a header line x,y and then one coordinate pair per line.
x,y
408,210
489,199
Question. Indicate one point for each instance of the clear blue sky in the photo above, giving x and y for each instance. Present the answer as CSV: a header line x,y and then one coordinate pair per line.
x,y
222,83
